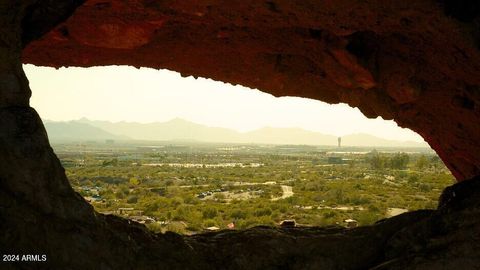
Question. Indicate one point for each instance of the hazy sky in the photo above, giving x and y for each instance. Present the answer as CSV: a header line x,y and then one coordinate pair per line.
x,y
120,93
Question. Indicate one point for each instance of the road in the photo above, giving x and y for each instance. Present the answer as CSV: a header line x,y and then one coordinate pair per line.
x,y
287,191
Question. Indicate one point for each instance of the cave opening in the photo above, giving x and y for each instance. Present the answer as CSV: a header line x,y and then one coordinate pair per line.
x,y
415,63
193,155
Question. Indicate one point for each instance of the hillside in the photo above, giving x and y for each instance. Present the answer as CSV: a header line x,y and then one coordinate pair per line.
x,y
77,131
179,129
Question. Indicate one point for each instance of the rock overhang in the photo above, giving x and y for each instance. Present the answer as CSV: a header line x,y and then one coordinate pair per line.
x,y
417,63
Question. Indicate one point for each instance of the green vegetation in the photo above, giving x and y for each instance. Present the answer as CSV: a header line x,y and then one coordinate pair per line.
x,y
188,188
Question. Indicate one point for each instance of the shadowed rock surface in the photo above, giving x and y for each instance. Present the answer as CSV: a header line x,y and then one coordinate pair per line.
x,y
416,63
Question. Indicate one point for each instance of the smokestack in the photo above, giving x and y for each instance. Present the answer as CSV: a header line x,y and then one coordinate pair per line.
x,y
339,142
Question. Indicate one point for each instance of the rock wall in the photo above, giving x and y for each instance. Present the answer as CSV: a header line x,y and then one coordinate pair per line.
x,y
404,61
415,62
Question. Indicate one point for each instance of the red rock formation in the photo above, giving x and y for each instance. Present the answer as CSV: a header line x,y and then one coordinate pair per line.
x,y
400,60
406,61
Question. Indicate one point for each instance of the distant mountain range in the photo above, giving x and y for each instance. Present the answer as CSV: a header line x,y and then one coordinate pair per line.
x,y
78,131
179,129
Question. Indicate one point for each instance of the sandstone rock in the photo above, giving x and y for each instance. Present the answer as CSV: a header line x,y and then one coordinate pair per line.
x,y
394,59
336,51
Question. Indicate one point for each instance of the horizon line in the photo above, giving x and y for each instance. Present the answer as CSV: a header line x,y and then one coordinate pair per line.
x,y
236,130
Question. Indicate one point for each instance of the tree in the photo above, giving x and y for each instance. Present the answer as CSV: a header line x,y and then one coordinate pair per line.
x,y
399,161
132,199
134,181
238,214
376,161
422,162
209,213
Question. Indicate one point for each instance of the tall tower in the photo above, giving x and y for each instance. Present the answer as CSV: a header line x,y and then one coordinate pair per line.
x,y
339,142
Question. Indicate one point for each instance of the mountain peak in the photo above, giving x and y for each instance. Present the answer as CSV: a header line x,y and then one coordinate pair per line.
x,y
181,129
